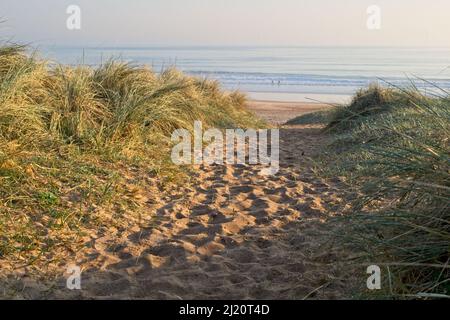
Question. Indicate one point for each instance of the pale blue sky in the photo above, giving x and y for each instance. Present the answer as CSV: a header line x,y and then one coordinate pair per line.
x,y
227,22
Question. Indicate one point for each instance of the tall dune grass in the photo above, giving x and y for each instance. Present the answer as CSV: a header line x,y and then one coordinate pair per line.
x,y
72,139
395,145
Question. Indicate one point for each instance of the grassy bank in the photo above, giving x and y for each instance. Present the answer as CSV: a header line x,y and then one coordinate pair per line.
x,y
81,147
393,147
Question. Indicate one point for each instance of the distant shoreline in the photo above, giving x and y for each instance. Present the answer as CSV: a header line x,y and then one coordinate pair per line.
x,y
299,74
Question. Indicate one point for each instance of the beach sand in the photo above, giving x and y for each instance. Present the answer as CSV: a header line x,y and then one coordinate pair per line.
x,y
280,112
230,234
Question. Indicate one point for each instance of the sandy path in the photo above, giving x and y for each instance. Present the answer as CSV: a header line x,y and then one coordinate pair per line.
x,y
232,234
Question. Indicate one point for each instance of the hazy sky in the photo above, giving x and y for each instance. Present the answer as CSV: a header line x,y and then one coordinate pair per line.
x,y
228,22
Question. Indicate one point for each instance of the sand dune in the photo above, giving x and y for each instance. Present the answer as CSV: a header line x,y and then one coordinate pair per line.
x,y
230,234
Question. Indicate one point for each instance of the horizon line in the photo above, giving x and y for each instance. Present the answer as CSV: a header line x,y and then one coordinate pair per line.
x,y
199,46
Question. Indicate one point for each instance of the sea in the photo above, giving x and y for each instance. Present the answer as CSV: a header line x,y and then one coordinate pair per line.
x,y
320,74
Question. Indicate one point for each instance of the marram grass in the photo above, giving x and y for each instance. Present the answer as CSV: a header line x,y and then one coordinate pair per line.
x,y
394,143
77,142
